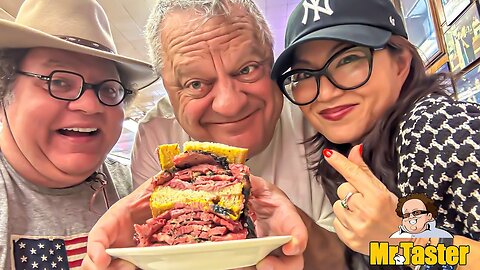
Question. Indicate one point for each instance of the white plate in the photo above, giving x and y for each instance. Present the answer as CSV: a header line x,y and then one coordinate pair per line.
x,y
201,256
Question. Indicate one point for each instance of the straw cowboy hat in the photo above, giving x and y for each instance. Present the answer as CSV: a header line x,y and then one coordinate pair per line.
x,y
75,25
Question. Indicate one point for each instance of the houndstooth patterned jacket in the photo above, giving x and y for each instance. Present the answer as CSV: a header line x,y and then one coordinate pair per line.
x,y
439,155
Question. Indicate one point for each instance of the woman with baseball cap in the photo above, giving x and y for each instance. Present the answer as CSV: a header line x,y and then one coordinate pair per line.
x,y
362,85
63,93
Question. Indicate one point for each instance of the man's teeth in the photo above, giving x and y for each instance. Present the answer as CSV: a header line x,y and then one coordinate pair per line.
x,y
87,130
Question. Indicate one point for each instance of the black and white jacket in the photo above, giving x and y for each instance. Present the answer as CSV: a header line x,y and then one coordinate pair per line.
x,y
439,155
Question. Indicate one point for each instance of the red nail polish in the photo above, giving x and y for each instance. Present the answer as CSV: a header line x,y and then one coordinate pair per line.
x,y
360,149
327,152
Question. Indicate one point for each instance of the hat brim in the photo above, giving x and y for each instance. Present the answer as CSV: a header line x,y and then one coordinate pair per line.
x,y
136,73
364,35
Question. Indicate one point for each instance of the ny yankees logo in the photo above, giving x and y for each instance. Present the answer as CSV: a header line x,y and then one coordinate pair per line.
x,y
315,6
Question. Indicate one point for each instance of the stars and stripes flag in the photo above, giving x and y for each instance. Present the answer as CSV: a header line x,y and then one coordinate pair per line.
x,y
45,253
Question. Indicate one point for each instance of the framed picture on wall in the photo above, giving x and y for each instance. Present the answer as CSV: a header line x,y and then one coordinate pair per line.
x,y
422,28
463,39
468,86
453,8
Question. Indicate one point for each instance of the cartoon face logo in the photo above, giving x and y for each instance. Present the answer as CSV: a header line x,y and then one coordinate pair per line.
x,y
418,213
415,216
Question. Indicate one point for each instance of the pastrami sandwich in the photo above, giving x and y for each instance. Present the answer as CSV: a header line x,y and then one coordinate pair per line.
x,y
200,195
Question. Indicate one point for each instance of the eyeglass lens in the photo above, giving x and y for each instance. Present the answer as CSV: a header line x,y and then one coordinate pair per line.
x,y
346,70
415,213
68,86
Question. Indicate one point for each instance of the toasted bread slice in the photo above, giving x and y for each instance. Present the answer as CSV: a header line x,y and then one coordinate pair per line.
x,y
233,154
166,152
231,198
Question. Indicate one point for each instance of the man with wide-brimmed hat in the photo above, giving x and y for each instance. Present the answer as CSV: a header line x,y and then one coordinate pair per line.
x,y
63,92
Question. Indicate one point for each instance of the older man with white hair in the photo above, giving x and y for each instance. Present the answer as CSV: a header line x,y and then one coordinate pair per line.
x,y
216,70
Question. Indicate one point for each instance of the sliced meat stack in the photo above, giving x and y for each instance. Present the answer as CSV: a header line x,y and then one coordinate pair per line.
x,y
202,197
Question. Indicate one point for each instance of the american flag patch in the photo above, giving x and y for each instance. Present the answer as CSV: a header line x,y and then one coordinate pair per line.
x,y
45,253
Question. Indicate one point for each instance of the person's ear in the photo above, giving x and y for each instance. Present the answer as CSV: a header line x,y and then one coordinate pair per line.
x,y
430,217
403,64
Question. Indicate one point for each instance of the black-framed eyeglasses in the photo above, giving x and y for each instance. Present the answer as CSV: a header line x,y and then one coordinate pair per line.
x,y
415,213
347,69
70,86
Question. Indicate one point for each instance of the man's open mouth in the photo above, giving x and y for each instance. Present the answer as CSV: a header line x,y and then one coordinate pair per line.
x,y
78,132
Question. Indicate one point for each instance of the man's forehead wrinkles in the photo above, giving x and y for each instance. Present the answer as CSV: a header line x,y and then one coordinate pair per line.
x,y
191,46
196,29
218,34
192,60
233,40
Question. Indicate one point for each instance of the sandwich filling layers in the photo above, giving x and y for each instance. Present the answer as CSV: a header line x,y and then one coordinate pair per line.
x,y
200,197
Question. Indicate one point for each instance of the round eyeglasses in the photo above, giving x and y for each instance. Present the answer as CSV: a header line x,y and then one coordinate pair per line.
x,y
347,69
70,86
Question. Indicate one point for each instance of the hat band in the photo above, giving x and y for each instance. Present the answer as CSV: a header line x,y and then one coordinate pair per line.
x,y
87,43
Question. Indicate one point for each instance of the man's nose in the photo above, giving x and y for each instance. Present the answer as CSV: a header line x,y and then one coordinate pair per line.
x,y
229,99
87,103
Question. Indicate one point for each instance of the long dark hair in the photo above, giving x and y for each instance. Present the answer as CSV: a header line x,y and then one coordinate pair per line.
x,y
379,151
379,144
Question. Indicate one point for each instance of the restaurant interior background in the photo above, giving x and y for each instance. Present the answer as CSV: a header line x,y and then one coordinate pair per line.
x,y
446,33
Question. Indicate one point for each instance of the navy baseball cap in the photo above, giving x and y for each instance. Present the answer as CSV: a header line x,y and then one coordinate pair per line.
x,y
368,23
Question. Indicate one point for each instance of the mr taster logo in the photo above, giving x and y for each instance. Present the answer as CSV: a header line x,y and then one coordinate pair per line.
x,y
418,213
314,5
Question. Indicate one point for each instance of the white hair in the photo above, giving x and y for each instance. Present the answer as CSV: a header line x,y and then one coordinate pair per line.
x,y
206,8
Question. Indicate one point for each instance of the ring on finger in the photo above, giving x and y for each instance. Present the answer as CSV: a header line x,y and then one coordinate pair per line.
x,y
344,202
